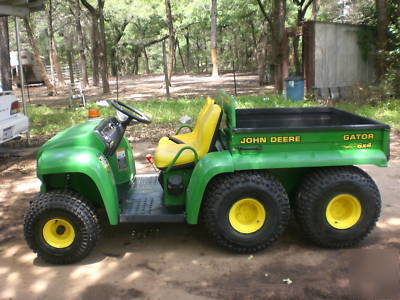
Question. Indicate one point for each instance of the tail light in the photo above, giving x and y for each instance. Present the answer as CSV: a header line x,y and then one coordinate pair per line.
x,y
14,108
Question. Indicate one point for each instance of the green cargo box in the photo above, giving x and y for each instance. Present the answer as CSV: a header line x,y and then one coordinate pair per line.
x,y
302,137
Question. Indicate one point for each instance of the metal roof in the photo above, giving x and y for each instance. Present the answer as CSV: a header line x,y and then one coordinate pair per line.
x,y
19,8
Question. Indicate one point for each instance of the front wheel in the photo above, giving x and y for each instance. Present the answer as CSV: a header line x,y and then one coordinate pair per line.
x,y
61,227
245,212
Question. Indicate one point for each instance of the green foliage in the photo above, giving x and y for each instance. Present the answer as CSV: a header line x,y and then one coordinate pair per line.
x,y
392,77
366,39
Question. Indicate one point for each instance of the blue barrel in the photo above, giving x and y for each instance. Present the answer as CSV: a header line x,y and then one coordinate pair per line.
x,y
294,88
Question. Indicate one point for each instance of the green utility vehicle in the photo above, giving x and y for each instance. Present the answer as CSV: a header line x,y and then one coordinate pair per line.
x,y
239,172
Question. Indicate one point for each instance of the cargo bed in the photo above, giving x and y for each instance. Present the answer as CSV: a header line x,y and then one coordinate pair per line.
x,y
303,119
299,137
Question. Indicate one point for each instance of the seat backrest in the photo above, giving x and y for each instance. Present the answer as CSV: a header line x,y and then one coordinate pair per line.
x,y
207,105
207,129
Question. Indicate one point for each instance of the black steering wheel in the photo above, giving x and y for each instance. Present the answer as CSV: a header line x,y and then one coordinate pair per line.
x,y
132,113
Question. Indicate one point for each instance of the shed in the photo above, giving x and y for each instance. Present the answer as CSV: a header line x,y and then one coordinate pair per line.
x,y
333,59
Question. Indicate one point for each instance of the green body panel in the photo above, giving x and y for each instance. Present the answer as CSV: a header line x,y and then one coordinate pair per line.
x,y
86,161
78,150
170,199
316,149
127,173
209,166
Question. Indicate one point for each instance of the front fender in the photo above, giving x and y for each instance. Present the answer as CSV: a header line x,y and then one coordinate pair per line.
x,y
209,166
87,161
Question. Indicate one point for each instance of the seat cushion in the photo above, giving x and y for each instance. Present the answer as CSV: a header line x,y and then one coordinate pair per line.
x,y
189,137
165,153
201,142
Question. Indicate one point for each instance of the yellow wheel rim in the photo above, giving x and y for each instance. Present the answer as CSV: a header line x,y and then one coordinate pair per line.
x,y
58,233
247,215
343,211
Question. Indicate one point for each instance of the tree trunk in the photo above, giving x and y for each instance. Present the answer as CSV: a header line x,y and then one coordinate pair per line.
x,y
60,75
136,55
198,60
214,53
95,36
315,9
32,40
113,60
5,68
175,61
165,69
296,56
146,62
296,41
171,45
103,50
278,31
188,63
181,57
95,50
70,67
81,47
381,37
262,57
53,50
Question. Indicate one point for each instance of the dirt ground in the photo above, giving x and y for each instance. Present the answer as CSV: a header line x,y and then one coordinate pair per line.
x,y
142,87
160,261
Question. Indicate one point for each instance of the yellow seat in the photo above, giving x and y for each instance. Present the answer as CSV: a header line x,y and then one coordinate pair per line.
x,y
189,137
200,139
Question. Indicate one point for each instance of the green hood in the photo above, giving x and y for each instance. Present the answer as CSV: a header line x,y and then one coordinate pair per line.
x,y
78,136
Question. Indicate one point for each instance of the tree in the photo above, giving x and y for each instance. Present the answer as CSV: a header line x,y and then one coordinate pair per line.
x,y
103,49
53,49
99,41
94,36
302,7
171,41
315,9
51,91
81,47
276,21
381,37
5,68
261,49
214,53
119,31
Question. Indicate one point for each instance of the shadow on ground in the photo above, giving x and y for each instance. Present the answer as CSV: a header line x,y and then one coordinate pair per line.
x,y
178,261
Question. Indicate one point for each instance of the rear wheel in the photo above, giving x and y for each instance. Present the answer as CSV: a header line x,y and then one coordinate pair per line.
x,y
245,211
61,227
337,207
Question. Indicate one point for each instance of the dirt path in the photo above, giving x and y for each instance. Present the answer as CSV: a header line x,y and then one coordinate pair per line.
x,y
181,262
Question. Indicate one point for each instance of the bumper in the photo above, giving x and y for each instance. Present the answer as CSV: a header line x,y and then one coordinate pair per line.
x,y
12,127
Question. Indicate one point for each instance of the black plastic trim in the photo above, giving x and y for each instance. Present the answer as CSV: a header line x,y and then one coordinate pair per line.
x,y
366,123
115,137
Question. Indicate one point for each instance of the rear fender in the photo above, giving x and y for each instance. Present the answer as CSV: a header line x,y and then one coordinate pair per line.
x,y
85,161
209,166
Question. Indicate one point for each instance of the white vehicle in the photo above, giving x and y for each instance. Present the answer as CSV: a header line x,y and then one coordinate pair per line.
x,y
12,122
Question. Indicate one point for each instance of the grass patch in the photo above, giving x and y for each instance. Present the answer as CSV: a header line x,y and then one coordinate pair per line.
x,y
48,120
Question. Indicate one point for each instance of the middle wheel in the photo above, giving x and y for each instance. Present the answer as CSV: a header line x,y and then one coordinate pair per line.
x,y
245,211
